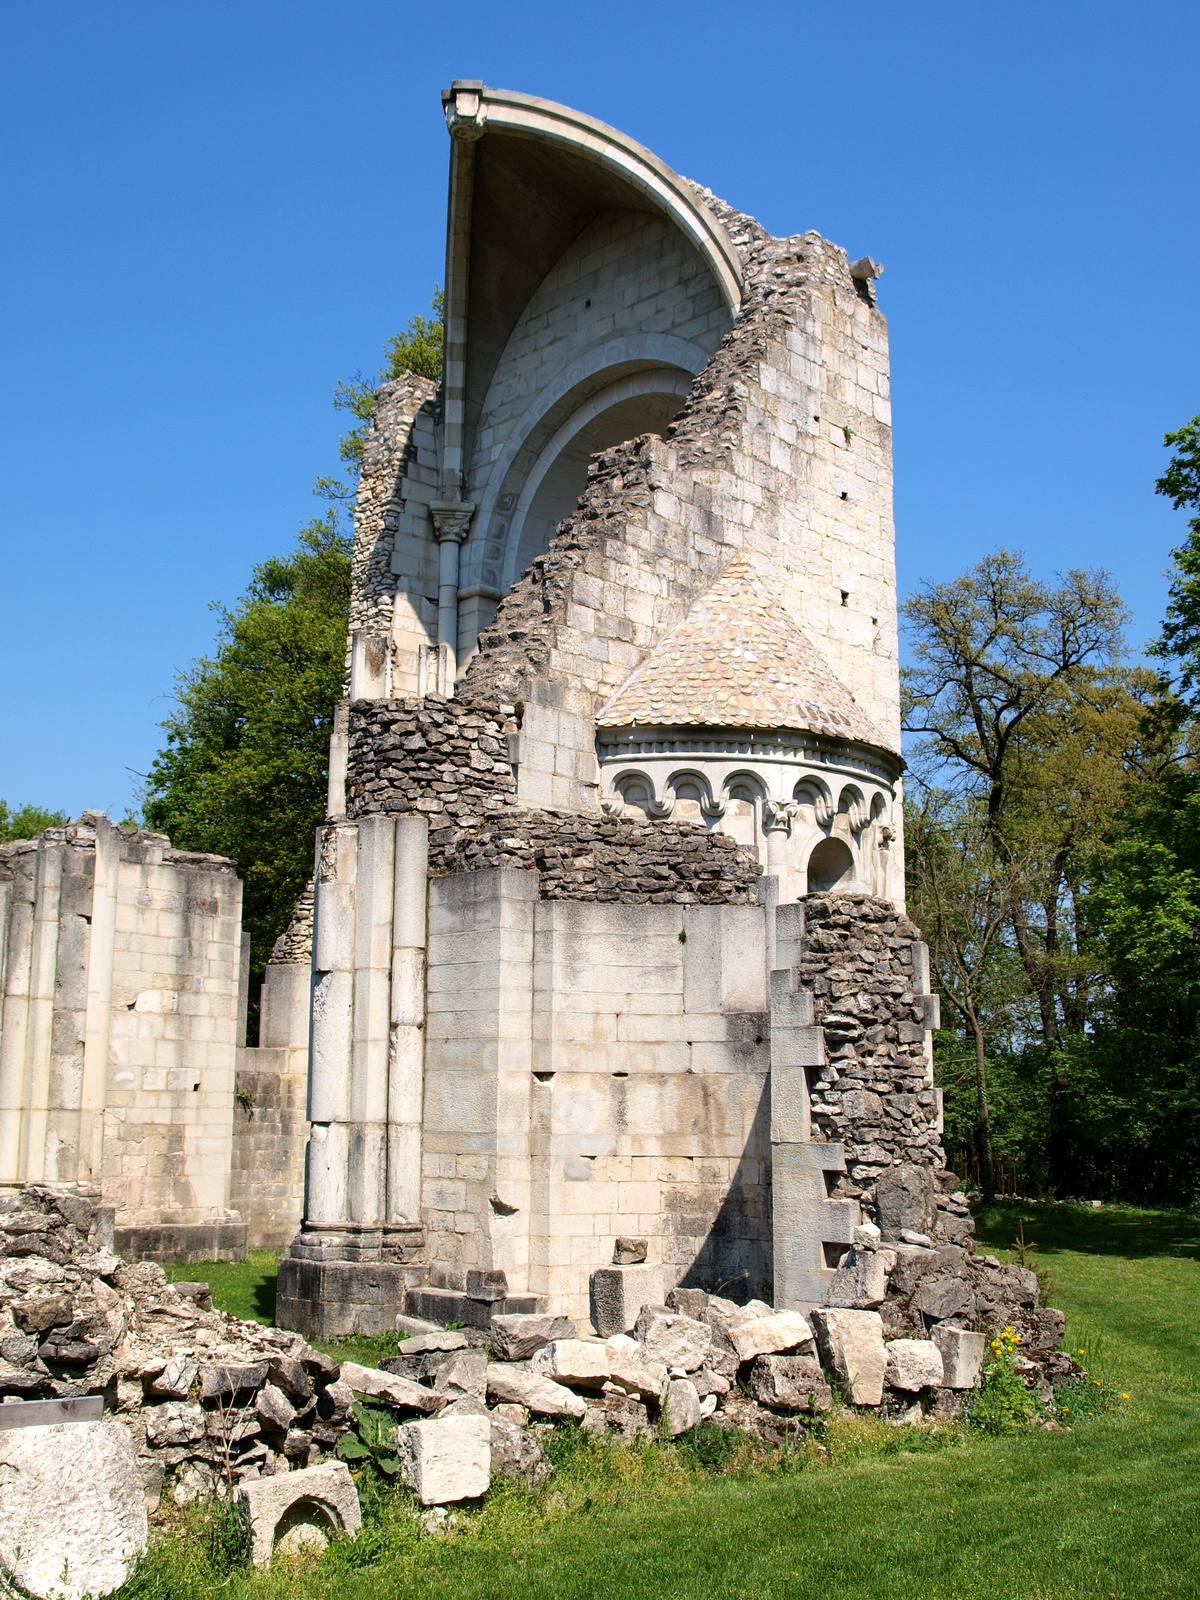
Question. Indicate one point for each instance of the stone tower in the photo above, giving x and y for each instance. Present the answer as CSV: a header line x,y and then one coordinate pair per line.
x,y
623,694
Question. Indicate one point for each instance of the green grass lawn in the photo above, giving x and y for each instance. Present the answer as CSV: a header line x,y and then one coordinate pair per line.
x,y
1111,1508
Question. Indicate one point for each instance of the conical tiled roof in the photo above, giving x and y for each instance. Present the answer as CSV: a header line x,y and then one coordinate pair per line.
x,y
737,660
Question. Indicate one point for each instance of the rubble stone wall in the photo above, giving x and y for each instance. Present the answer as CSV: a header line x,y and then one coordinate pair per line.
x,y
861,960
399,480
448,760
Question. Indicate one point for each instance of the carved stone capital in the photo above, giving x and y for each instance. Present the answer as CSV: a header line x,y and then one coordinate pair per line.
x,y
777,815
466,114
451,519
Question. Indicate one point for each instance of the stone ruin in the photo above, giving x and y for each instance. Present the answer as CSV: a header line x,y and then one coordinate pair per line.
x,y
606,939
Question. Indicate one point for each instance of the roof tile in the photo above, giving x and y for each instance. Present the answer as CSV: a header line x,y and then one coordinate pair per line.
x,y
737,660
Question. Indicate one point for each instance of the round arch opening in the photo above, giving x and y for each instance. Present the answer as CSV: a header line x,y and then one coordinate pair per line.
x,y
565,479
831,866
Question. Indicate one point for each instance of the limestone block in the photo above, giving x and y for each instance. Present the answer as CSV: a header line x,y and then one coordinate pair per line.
x,y
913,1364
336,1402
516,1335
851,1345
416,1325
670,1337
72,1514
467,1405
512,1413
300,1510
273,1409
463,1372
175,1381
390,1387
912,1263
543,1396
681,1406
861,1280
449,1458
441,1339
173,1424
690,1302
938,1298
761,1336
962,1356
516,1454
906,1197
632,1367
619,1293
790,1383
577,1362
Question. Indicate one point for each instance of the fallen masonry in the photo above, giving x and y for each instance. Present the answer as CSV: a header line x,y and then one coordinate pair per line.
x,y
201,1403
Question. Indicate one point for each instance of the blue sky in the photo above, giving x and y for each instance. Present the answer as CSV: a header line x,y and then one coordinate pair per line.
x,y
211,213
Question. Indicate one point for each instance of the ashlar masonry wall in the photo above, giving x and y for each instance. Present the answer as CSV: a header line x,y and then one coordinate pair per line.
x,y
783,451
121,973
593,1071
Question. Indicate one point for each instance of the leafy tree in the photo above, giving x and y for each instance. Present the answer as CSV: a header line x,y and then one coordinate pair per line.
x,y
418,349
958,895
244,770
1004,666
1148,902
1179,642
26,822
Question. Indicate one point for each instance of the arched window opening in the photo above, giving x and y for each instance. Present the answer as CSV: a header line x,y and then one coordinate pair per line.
x,y
831,866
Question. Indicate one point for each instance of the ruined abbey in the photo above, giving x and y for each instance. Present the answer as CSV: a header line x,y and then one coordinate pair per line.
x,y
605,969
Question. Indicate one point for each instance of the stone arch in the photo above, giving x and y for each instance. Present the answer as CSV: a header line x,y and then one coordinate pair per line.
x,y
852,805
830,866
643,402
647,363
814,792
632,794
691,797
742,797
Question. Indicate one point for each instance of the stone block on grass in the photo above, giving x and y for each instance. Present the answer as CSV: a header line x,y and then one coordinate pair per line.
x,y
446,1459
515,1337
542,1396
619,1293
295,1511
577,1362
681,1407
913,1364
72,1511
852,1348
962,1356
672,1338
764,1336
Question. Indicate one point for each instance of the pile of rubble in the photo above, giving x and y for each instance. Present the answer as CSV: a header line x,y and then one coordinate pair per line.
x,y
211,1398
219,1403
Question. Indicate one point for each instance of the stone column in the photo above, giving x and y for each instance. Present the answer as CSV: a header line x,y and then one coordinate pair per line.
x,y
354,1256
451,521
406,1075
777,825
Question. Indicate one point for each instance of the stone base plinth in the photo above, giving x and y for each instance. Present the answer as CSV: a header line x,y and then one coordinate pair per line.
x,y
337,1299
452,1305
182,1241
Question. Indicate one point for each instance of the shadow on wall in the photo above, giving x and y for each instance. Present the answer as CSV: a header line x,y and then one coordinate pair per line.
x,y
735,1258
